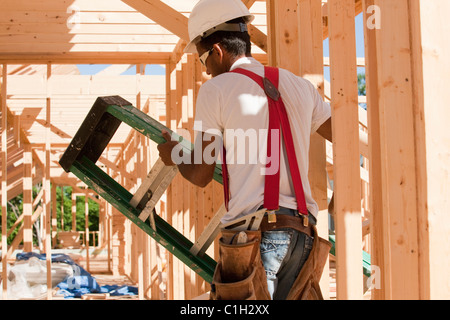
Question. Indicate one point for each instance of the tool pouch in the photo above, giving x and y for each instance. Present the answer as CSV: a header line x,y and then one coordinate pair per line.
x,y
306,286
239,274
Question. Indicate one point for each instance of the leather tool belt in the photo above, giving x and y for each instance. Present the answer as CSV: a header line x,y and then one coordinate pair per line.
x,y
285,221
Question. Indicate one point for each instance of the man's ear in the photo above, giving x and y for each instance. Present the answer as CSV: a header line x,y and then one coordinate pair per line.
x,y
218,50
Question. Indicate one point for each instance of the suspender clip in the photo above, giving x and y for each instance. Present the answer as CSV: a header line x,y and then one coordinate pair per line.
x,y
305,220
271,217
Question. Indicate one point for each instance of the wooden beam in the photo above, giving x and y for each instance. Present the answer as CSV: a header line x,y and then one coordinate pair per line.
x,y
4,200
430,52
20,234
27,198
373,124
178,52
257,37
162,14
47,187
53,222
311,51
347,186
358,10
248,3
86,57
111,165
80,191
282,29
74,211
430,63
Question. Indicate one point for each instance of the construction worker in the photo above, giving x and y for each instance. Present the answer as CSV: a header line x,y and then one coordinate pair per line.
x,y
232,103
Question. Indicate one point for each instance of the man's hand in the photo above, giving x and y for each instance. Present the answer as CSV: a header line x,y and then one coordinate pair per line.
x,y
165,149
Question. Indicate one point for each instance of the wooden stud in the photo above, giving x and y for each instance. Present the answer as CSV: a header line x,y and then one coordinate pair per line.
x,y
282,22
4,193
397,138
47,188
311,51
74,211
53,217
344,106
429,26
373,120
62,207
27,198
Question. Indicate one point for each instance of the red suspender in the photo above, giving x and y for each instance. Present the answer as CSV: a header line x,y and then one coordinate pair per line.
x,y
277,118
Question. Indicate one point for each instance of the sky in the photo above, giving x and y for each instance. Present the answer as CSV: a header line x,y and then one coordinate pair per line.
x,y
87,69
91,69
359,45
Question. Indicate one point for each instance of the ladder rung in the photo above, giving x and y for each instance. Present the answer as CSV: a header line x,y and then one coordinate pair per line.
x,y
209,233
248,222
89,143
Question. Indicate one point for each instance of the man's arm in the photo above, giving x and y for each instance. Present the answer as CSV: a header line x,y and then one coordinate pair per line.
x,y
325,130
200,169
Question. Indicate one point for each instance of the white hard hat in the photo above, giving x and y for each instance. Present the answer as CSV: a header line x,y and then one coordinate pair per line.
x,y
209,16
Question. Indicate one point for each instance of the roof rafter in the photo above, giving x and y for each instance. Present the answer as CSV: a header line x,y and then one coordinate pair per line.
x,y
162,14
177,23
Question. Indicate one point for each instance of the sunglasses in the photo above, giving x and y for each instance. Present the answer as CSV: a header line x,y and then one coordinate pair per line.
x,y
205,56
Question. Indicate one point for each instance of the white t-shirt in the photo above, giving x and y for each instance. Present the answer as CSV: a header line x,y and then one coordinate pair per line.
x,y
235,107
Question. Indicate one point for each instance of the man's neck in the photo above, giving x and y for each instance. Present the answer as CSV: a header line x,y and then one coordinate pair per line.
x,y
232,61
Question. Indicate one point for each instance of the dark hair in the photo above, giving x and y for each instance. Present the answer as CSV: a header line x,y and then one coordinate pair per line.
x,y
235,42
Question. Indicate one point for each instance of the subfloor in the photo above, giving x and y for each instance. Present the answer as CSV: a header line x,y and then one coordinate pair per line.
x,y
99,269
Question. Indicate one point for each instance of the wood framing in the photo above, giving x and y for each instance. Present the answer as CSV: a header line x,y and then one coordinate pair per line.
x,y
311,67
387,167
4,199
346,160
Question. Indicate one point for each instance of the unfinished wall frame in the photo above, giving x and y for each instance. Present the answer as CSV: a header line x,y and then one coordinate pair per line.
x,y
393,206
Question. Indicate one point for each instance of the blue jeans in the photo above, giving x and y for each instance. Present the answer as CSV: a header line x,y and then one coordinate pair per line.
x,y
283,253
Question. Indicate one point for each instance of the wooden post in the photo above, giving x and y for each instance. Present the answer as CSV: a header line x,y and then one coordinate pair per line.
x,y
74,211
346,160
398,149
311,68
139,174
62,208
430,52
179,289
53,230
46,186
4,191
375,185
27,198
86,228
283,34
411,57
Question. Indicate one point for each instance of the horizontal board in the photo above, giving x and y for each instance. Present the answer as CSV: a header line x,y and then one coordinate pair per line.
x,y
84,28
62,48
85,84
38,38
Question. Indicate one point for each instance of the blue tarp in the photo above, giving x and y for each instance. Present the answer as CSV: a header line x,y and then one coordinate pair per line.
x,y
82,282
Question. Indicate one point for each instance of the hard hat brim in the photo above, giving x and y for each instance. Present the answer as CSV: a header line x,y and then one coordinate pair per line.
x,y
191,46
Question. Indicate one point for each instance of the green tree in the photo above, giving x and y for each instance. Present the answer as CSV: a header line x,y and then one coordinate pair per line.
x,y
362,87
15,210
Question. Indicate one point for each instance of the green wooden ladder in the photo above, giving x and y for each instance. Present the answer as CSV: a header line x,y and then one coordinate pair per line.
x,y
88,144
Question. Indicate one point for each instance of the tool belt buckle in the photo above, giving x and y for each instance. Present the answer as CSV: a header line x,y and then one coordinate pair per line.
x,y
271,216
